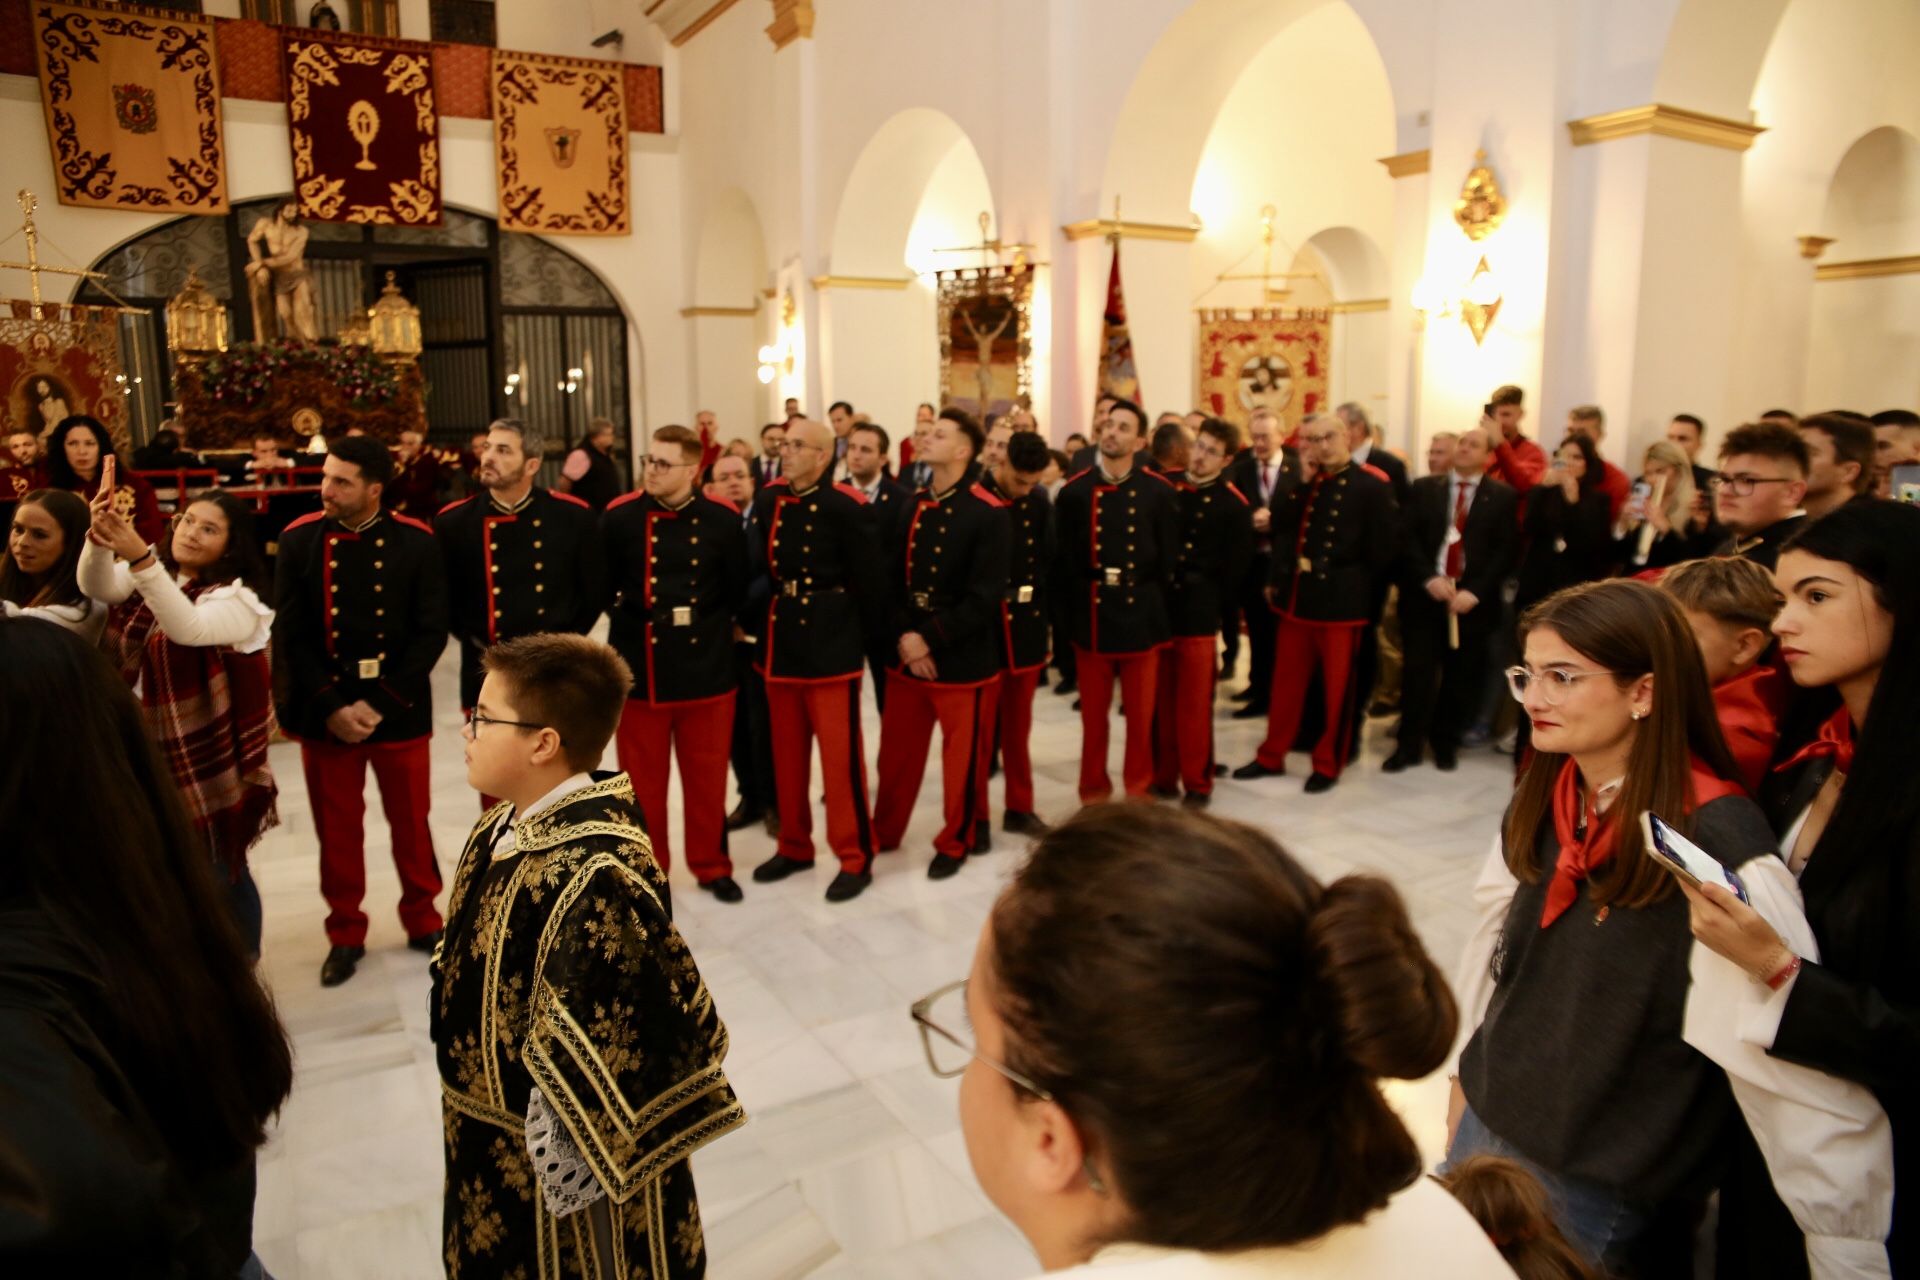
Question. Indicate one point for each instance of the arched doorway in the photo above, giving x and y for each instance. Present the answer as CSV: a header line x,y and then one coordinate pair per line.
x,y
1864,335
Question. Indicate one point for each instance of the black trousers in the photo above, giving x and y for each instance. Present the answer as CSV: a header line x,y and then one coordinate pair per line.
x,y
752,735
1262,622
1440,686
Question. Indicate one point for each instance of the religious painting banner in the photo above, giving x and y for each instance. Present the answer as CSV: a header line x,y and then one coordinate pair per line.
x,y
366,137
986,346
1118,374
560,134
1276,360
60,359
132,100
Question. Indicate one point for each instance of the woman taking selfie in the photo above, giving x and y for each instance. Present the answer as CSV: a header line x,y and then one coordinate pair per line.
x,y
37,574
1848,815
1587,1057
189,633
140,1052
1566,525
1170,1066
1658,526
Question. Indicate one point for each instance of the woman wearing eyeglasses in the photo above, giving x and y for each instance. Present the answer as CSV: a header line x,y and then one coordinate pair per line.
x,y
1849,819
1601,1047
1170,1066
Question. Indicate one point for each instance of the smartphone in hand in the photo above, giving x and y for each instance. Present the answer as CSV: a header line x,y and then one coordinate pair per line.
x,y
1686,859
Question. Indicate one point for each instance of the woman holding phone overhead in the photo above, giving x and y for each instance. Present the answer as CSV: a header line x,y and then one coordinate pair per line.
x,y
1848,816
1599,1045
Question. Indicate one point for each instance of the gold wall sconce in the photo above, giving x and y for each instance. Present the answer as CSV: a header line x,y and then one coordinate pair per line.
x,y
1481,207
778,357
1476,303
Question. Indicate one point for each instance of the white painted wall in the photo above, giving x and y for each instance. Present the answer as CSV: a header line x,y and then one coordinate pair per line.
x,y
1864,345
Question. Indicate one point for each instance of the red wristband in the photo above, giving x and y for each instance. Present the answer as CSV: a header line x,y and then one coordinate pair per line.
x,y
1785,972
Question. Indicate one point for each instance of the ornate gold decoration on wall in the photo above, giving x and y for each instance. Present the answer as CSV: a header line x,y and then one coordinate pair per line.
x,y
394,324
861,282
1481,302
1481,208
196,321
1408,164
1866,268
692,313
1814,246
792,20
789,310
1665,122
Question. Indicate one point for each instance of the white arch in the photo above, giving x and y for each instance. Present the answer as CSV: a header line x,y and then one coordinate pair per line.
x,y
886,188
1713,55
1873,199
730,265
1356,266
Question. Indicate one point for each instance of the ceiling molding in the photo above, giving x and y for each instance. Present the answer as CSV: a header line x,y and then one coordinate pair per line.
x,y
719,311
1665,122
862,282
1408,164
1864,268
792,20
1092,227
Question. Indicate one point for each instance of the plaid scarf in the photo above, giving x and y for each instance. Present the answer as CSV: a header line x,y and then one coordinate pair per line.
x,y
211,711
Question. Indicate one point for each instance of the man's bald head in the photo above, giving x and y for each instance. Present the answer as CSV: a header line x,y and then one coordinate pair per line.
x,y
809,451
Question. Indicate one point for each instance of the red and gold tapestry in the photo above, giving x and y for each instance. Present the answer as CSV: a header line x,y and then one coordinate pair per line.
x,y
366,139
1119,375
1264,359
63,359
132,102
560,131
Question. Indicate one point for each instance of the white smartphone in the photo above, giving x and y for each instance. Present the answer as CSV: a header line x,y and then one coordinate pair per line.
x,y
1686,859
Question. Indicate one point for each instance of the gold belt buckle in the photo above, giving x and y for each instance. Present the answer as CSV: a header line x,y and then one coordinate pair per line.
x,y
1306,564
1111,576
1024,595
923,600
789,588
369,668
682,615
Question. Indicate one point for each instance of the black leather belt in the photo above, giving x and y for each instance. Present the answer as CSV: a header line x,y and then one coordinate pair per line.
x,y
799,590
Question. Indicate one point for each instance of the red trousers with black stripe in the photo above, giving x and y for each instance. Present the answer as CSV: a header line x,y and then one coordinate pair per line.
x,y
1298,648
798,712
699,734
1183,715
1011,714
337,788
1139,675
906,731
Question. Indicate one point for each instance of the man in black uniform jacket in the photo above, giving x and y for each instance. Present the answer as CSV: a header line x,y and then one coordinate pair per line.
x,y
1216,537
1119,544
1333,539
1023,627
1457,547
1265,472
677,562
360,618
891,506
519,558
949,577
814,544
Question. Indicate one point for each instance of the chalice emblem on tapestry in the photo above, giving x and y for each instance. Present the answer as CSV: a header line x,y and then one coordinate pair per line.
x,y
363,122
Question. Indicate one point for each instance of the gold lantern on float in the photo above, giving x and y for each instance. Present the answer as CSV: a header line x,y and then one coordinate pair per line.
x,y
196,321
395,324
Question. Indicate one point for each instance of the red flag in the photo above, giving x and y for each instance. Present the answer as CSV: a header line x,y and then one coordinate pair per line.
x,y
1118,376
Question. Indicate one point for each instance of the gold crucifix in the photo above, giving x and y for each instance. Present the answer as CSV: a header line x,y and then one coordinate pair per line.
x,y
32,266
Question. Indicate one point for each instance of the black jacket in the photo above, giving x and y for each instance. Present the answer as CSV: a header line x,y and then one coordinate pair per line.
x,y
358,616
825,580
1762,548
1395,470
1118,549
1216,541
949,578
1334,540
1243,473
1490,543
603,481
1566,543
679,577
1026,636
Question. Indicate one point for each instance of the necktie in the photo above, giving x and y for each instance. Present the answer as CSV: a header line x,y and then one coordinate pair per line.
x,y
1266,481
1457,545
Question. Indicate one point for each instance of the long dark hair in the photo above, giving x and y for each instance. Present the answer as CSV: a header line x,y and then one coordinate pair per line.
x,y
60,472
1596,469
1871,839
119,870
1214,1019
1631,629
60,584
241,562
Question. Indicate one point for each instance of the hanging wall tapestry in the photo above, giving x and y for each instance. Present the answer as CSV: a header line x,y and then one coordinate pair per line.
x,y
62,359
1119,376
132,102
1275,360
985,344
560,131
366,138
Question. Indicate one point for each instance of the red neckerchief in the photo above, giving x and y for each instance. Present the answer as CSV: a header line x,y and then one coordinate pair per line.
x,y
1579,855
1834,739
1750,706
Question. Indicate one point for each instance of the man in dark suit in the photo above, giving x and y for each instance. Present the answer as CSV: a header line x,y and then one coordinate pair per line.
x,y
890,505
1368,453
1265,472
1457,547
767,467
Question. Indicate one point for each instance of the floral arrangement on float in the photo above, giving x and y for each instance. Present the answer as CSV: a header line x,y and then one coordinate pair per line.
x,y
248,374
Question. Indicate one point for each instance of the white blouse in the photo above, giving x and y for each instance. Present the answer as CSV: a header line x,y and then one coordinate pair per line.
x,y
1422,1232
1826,1141
230,615
86,619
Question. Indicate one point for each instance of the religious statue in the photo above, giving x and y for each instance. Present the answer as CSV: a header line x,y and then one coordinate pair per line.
x,y
986,337
278,281
51,402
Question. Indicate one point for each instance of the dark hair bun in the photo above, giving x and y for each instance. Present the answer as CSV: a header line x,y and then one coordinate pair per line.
x,y
1396,1014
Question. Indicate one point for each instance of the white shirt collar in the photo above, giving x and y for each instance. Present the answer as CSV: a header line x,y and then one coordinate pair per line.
x,y
504,842
1364,452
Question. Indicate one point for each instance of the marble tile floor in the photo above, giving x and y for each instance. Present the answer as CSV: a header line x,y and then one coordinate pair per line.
x,y
852,1163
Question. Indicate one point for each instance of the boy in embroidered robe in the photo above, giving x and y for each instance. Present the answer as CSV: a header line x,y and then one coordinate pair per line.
x,y
579,1051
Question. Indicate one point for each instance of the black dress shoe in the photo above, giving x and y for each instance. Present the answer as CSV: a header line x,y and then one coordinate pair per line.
x,y
426,942
1252,711
1024,824
724,888
848,885
1254,769
1319,782
1219,771
742,816
1446,759
1076,705
1245,695
982,837
944,868
1400,760
1196,799
340,964
779,867
1163,793
1065,687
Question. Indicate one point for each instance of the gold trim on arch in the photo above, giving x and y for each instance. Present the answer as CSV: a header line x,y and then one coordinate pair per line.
x,y
1091,227
1408,164
1666,122
862,282
1864,268
1359,305
691,312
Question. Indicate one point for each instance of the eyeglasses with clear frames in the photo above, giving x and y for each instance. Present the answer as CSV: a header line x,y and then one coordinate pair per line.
x,y
475,720
1554,682
1741,486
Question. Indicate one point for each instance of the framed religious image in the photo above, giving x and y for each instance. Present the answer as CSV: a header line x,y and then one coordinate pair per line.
x,y
985,341
1264,360
45,401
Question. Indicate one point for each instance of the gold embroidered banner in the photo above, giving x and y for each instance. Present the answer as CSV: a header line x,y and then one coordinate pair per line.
x,y
58,359
560,133
366,138
1266,359
132,101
